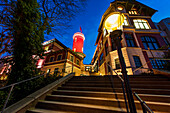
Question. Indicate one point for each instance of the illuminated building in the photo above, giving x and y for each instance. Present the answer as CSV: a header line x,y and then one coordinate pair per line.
x,y
139,34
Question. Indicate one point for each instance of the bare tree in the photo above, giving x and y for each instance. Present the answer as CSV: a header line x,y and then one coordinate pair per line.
x,y
57,13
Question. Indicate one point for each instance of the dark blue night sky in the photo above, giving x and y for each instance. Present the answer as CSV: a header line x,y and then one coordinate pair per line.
x,y
89,20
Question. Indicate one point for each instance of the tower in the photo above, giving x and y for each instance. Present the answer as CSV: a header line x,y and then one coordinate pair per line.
x,y
78,42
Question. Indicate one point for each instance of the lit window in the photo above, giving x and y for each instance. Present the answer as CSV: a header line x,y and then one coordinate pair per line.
x,y
130,40
74,49
125,23
133,12
46,48
120,8
117,63
51,59
75,39
149,42
71,58
137,61
141,24
77,62
48,71
59,57
82,49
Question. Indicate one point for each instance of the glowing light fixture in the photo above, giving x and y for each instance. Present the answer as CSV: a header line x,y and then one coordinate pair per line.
x,y
114,21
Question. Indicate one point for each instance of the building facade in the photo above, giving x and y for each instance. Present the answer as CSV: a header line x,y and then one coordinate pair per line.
x,y
141,41
61,59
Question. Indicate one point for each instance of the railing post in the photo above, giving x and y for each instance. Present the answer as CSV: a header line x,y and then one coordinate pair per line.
x,y
9,94
116,36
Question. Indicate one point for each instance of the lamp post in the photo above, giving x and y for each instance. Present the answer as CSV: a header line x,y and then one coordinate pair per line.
x,y
112,23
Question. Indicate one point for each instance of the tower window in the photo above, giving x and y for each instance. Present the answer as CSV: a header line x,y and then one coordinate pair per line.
x,y
129,40
141,24
74,49
75,39
137,61
149,42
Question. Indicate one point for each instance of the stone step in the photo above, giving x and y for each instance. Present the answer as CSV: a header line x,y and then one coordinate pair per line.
x,y
77,107
116,85
117,79
47,111
119,82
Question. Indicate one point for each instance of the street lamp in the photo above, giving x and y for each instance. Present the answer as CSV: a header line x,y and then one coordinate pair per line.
x,y
113,24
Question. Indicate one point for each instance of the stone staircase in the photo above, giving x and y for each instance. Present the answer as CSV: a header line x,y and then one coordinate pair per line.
x,y
96,94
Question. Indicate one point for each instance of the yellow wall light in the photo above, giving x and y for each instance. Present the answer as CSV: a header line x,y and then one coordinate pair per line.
x,y
114,21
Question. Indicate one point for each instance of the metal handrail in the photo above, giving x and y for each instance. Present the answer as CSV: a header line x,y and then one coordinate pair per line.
x,y
122,82
143,104
12,86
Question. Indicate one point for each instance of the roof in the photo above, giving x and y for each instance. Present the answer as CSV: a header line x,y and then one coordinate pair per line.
x,y
128,4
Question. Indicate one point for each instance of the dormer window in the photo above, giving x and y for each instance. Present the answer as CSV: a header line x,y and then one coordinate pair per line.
x,y
133,12
141,24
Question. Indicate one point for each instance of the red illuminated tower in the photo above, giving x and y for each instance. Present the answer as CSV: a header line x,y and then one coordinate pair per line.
x,y
78,42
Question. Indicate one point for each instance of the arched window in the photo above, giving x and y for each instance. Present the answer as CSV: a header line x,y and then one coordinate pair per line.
x,y
141,24
149,42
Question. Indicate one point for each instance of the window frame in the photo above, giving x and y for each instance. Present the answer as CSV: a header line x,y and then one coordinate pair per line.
x,y
58,56
70,58
130,41
138,62
141,22
149,42
78,63
50,58
117,63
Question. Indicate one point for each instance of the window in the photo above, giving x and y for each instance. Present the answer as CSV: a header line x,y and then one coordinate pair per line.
x,y
137,61
48,71
104,32
74,49
117,63
75,39
77,62
133,12
56,70
101,59
46,48
166,41
125,23
120,8
59,57
113,45
51,59
149,42
141,24
160,63
106,48
71,58
130,40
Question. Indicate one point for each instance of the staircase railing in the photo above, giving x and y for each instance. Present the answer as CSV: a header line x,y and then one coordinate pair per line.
x,y
123,89
23,81
145,108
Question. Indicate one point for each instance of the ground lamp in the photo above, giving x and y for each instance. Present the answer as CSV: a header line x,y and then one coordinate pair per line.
x,y
113,24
